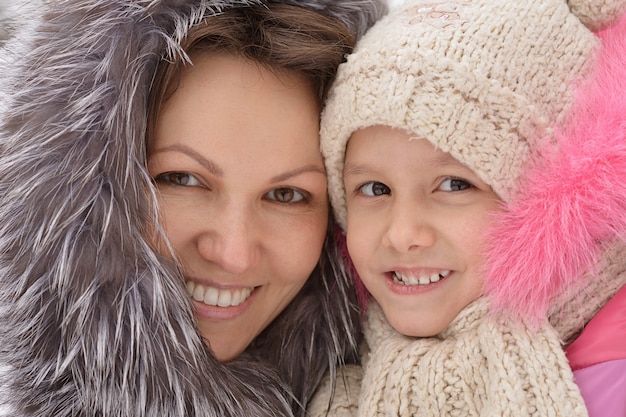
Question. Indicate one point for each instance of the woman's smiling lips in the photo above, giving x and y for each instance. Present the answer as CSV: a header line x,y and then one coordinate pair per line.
x,y
218,297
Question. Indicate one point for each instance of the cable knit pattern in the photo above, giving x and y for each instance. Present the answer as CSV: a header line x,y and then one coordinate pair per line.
x,y
479,366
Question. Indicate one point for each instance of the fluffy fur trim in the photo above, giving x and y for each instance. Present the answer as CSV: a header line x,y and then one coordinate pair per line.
x,y
93,322
572,197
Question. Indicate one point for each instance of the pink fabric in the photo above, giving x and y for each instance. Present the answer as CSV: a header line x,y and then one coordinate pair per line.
x,y
598,358
604,338
603,388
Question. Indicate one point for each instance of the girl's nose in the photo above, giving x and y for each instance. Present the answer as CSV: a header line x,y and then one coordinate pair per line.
x,y
410,227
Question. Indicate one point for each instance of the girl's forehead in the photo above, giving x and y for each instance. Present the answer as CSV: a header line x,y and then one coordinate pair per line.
x,y
383,148
396,139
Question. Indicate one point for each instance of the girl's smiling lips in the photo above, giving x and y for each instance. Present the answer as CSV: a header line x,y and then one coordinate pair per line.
x,y
403,282
418,277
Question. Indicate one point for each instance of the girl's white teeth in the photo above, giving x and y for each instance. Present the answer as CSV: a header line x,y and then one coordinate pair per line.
x,y
409,279
217,297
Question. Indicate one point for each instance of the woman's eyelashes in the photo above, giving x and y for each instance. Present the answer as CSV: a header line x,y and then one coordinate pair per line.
x,y
281,195
288,195
178,179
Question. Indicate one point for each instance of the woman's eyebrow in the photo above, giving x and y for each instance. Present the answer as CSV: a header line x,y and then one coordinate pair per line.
x,y
298,171
211,166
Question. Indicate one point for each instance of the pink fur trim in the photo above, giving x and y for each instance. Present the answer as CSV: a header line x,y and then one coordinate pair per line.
x,y
572,197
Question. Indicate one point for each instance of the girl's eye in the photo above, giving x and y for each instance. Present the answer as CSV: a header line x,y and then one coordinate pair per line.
x,y
287,195
182,179
374,189
455,184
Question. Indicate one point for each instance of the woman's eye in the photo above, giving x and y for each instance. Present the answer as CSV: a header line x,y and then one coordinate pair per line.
x,y
183,179
374,189
455,184
287,195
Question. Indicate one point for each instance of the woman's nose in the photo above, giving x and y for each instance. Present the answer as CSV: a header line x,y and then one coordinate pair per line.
x,y
230,240
410,226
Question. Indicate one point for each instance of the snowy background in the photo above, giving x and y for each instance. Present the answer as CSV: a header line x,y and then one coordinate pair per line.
x,y
392,3
3,25
9,8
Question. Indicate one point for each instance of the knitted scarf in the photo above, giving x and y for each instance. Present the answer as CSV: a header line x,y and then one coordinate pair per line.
x,y
481,365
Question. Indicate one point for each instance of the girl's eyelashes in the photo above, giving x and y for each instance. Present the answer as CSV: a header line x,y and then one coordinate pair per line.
x,y
373,189
288,195
455,184
376,189
179,179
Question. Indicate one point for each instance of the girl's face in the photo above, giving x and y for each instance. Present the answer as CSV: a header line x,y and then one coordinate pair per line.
x,y
242,190
416,228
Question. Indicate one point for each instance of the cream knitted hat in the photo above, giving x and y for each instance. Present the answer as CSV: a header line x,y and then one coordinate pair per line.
x,y
483,80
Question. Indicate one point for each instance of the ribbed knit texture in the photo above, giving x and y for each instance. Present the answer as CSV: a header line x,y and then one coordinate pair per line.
x,y
480,366
465,369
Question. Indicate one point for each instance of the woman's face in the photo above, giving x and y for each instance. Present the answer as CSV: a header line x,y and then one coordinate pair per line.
x,y
236,160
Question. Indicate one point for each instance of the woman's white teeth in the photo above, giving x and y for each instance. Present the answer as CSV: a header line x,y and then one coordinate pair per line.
x,y
217,297
409,279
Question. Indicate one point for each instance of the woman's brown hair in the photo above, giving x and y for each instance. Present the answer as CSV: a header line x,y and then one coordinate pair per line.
x,y
282,38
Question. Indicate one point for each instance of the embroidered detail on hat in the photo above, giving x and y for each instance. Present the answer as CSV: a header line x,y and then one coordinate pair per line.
x,y
440,15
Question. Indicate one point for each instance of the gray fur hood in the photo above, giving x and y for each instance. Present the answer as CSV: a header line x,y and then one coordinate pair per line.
x,y
92,321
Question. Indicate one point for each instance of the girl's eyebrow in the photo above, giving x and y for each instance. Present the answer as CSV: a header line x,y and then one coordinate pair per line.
x,y
443,160
356,169
211,166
